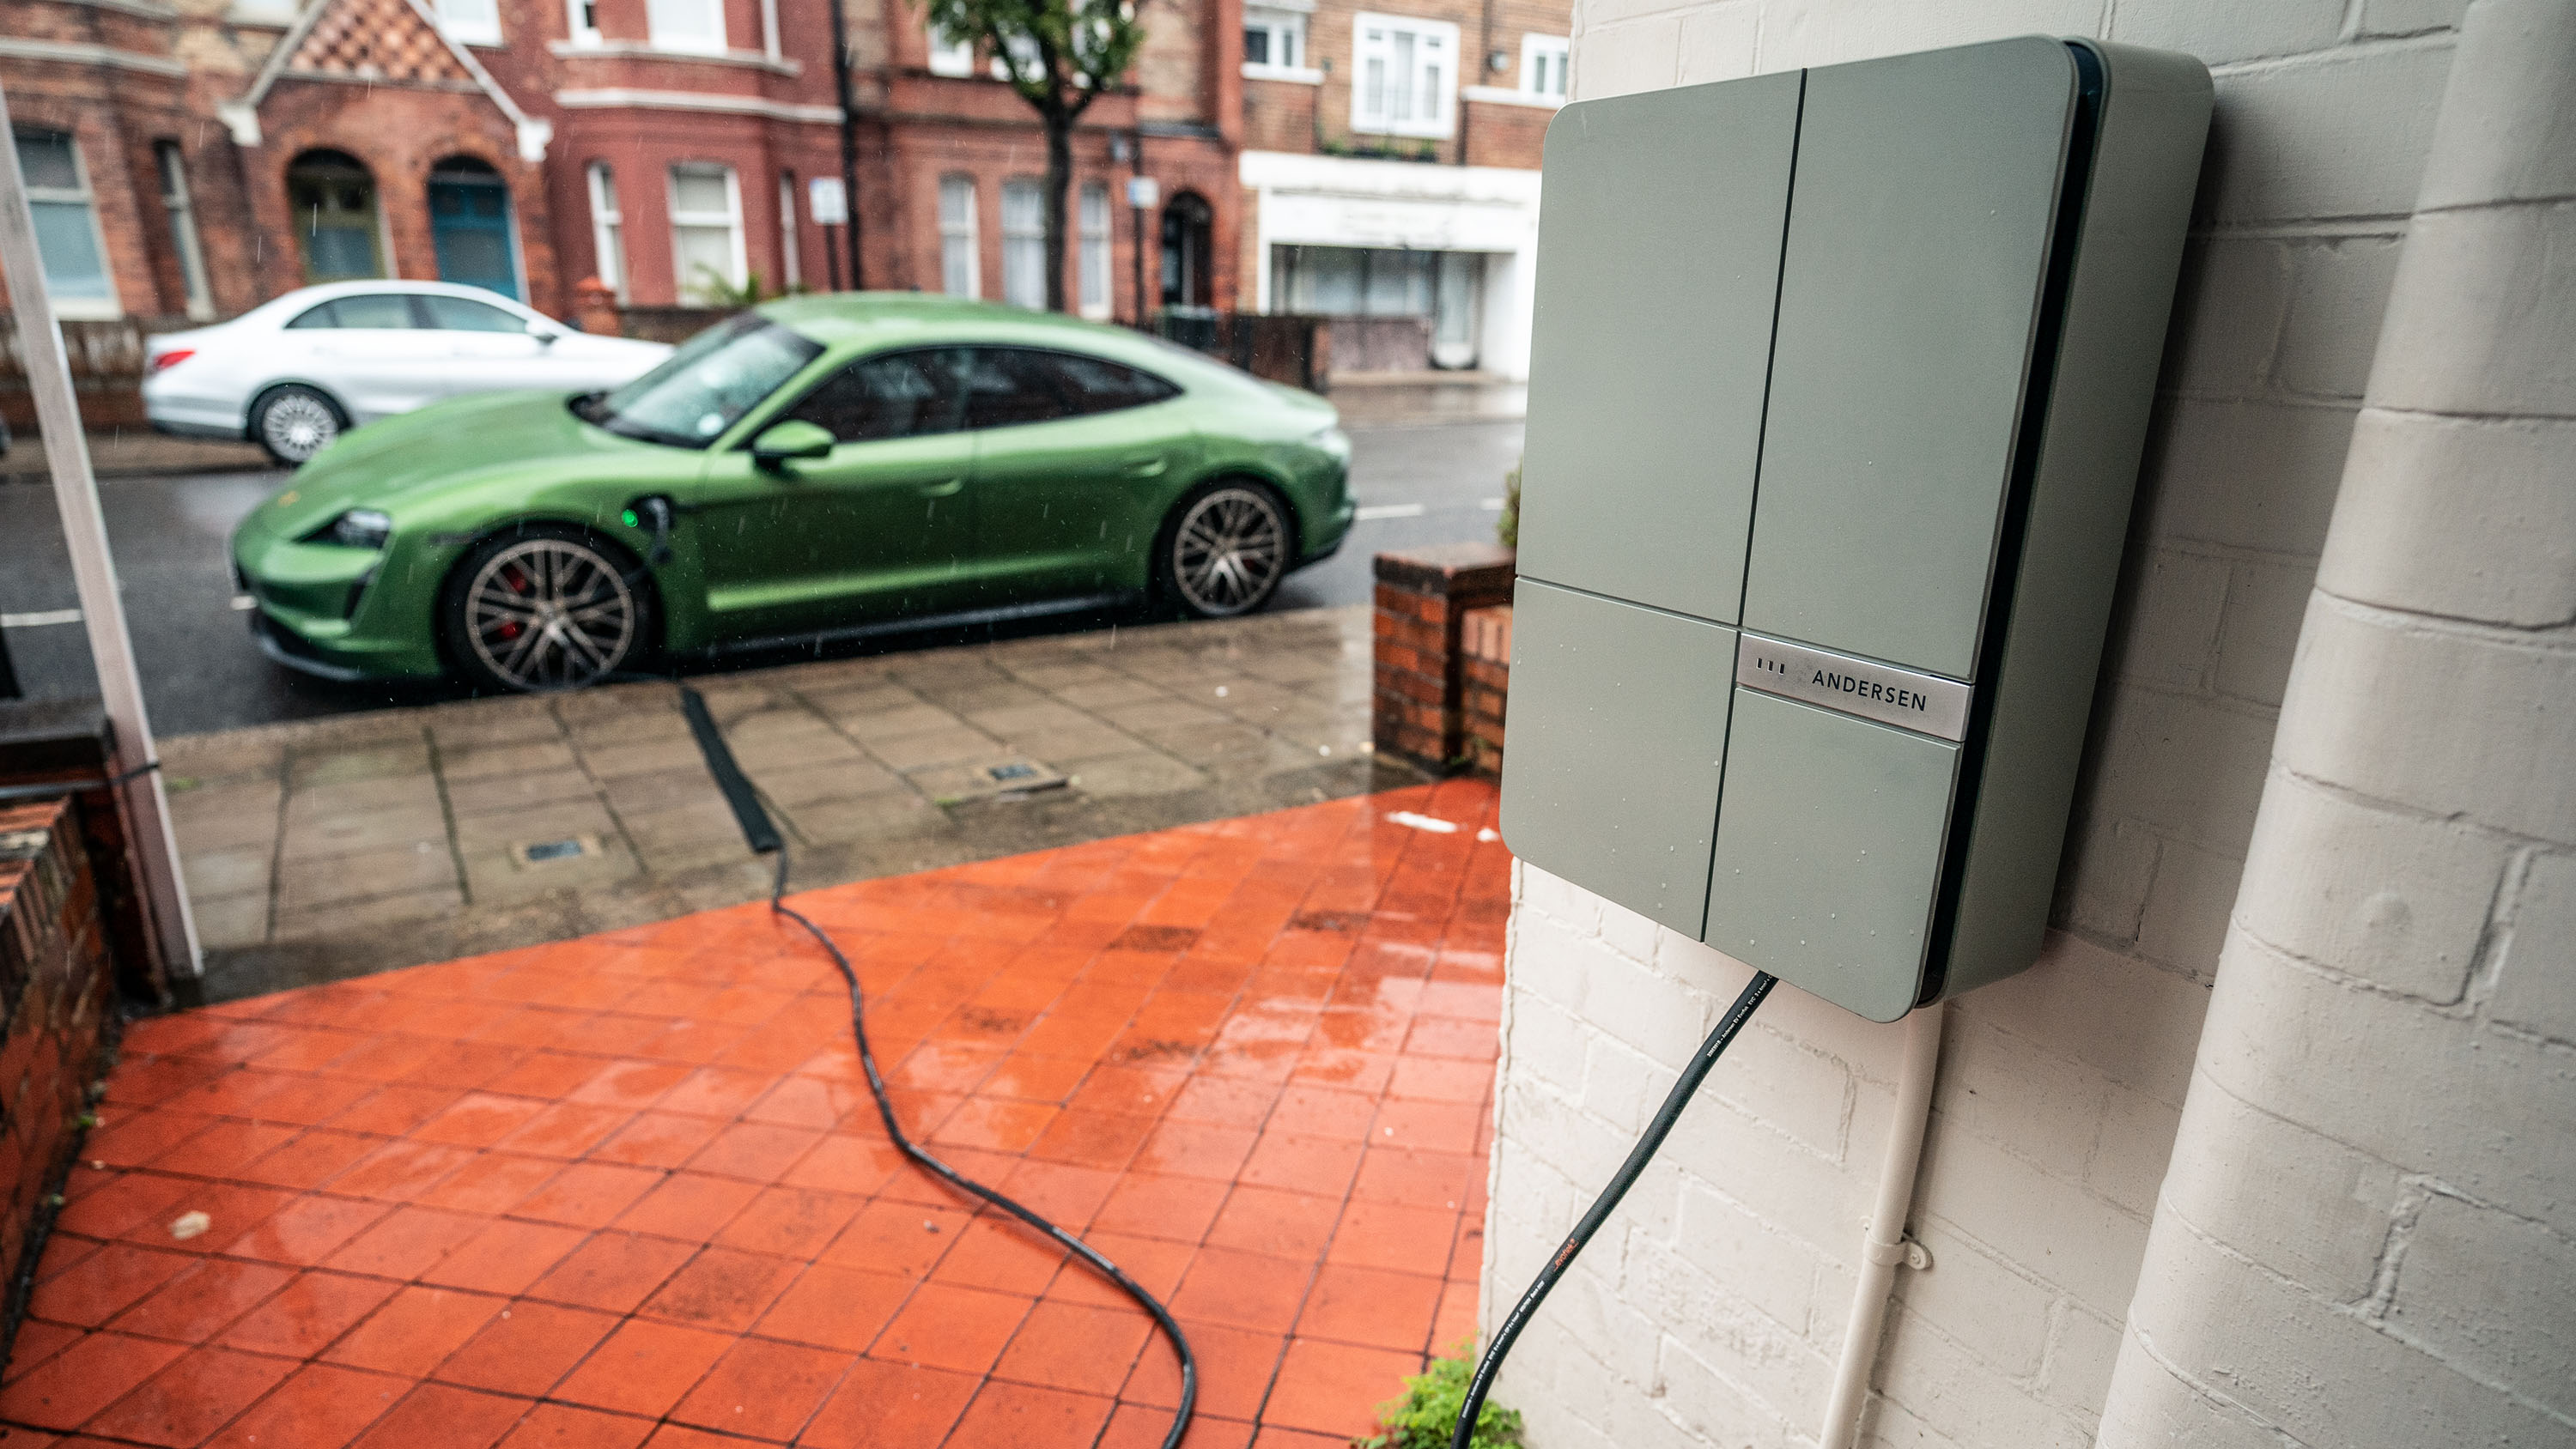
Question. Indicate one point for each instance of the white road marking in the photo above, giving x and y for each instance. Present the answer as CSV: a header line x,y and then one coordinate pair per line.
x,y
1432,823
244,603
40,619
1377,511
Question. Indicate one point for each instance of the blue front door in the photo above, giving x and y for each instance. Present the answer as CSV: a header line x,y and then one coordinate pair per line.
x,y
469,222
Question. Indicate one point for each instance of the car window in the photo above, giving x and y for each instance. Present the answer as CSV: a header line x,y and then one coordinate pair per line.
x,y
907,395
460,314
372,309
315,317
712,380
1010,385
1097,385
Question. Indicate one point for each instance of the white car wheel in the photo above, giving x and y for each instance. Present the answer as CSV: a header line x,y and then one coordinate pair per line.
x,y
294,423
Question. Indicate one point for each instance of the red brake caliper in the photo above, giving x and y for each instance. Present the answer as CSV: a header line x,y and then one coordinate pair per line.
x,y
516,580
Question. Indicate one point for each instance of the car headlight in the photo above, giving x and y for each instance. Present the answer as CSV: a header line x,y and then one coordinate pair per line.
x,y
358,528
1333,440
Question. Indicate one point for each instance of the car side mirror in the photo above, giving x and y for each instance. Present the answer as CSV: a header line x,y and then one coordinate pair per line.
x,y
788,442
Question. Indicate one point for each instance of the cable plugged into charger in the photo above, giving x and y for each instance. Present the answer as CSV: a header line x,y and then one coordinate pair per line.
x,y
1638,1156
761,834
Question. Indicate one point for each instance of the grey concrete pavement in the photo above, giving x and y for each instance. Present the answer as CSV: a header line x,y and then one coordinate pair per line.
x,y
133,453
326,848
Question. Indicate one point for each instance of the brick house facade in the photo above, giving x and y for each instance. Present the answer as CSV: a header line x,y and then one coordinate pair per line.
x,y
211,154
1389,171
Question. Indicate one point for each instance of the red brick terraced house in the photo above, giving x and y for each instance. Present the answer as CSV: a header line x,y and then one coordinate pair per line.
x,y
193,159
190,159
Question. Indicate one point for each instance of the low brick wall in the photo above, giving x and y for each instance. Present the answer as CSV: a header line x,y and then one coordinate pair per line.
x,y
57,990
1424,597
1485,641
107,370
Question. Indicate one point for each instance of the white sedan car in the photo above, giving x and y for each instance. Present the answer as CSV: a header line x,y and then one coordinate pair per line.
x,y
297,372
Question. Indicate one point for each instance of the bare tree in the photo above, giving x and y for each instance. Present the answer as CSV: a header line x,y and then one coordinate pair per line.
x,y
1060,55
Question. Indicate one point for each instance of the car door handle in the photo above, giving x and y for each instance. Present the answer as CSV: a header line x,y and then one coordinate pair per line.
x,y
942,488
1147,467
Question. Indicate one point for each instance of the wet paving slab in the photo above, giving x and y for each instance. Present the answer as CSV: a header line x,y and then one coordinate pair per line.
x,y
323,849
629,1189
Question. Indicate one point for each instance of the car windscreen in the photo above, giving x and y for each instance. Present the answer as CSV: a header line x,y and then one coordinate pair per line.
x,y
700,390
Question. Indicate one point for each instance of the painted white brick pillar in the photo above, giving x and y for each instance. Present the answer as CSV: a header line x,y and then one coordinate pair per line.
x,y
2368,1232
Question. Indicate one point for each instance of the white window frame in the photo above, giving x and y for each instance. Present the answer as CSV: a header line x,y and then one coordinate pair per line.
x,y
730,218
181,206
581,22
1024,279
607,227
79,308
961,258
790,268
483,29
1434,75
950,57
1545,58
661,17
1289,58
1092,270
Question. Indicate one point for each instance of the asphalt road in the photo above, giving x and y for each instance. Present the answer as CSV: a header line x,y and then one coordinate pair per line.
x,y
1429,483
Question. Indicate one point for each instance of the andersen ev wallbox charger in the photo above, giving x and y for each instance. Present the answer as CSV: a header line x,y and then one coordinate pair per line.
x,y
1838,383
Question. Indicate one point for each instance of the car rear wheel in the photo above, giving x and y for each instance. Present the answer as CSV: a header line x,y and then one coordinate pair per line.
x,y
293,423
1226,550
545,609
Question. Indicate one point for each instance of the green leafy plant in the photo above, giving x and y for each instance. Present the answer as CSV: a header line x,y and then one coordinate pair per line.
x,y
715,290
1426,1414
1507,529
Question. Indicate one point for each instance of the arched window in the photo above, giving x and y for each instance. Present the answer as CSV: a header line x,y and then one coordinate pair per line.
x,y
334,197
469,226
1189,251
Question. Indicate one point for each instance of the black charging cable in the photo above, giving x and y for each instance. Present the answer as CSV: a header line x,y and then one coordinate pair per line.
x,y
1638,1156
764,839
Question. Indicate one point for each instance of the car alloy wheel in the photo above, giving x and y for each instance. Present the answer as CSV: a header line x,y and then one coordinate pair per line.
x,y
1230,550
549,613
295,423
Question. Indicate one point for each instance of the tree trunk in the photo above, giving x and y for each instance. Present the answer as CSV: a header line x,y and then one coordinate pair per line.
x,y
1059,180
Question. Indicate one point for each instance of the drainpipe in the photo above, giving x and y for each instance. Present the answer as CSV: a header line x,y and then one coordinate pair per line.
x,y
849,140
1883,1243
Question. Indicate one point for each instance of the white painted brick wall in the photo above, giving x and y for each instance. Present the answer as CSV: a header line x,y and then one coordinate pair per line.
x,y
1711,1310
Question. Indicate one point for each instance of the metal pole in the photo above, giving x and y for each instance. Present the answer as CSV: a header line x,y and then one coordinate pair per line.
x,y
848,97
49,379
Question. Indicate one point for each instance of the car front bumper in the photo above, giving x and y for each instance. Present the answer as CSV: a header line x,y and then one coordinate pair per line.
x,y
320,611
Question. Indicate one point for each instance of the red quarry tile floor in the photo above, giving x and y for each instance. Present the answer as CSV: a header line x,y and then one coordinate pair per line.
x,y
630,1191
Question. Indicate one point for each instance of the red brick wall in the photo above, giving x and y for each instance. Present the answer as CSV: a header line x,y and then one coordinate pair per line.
x,y
1485,670
1273,123
1506,135
57,990
1424,597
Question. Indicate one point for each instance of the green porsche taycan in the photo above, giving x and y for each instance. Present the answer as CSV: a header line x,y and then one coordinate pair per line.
x,y
817,468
